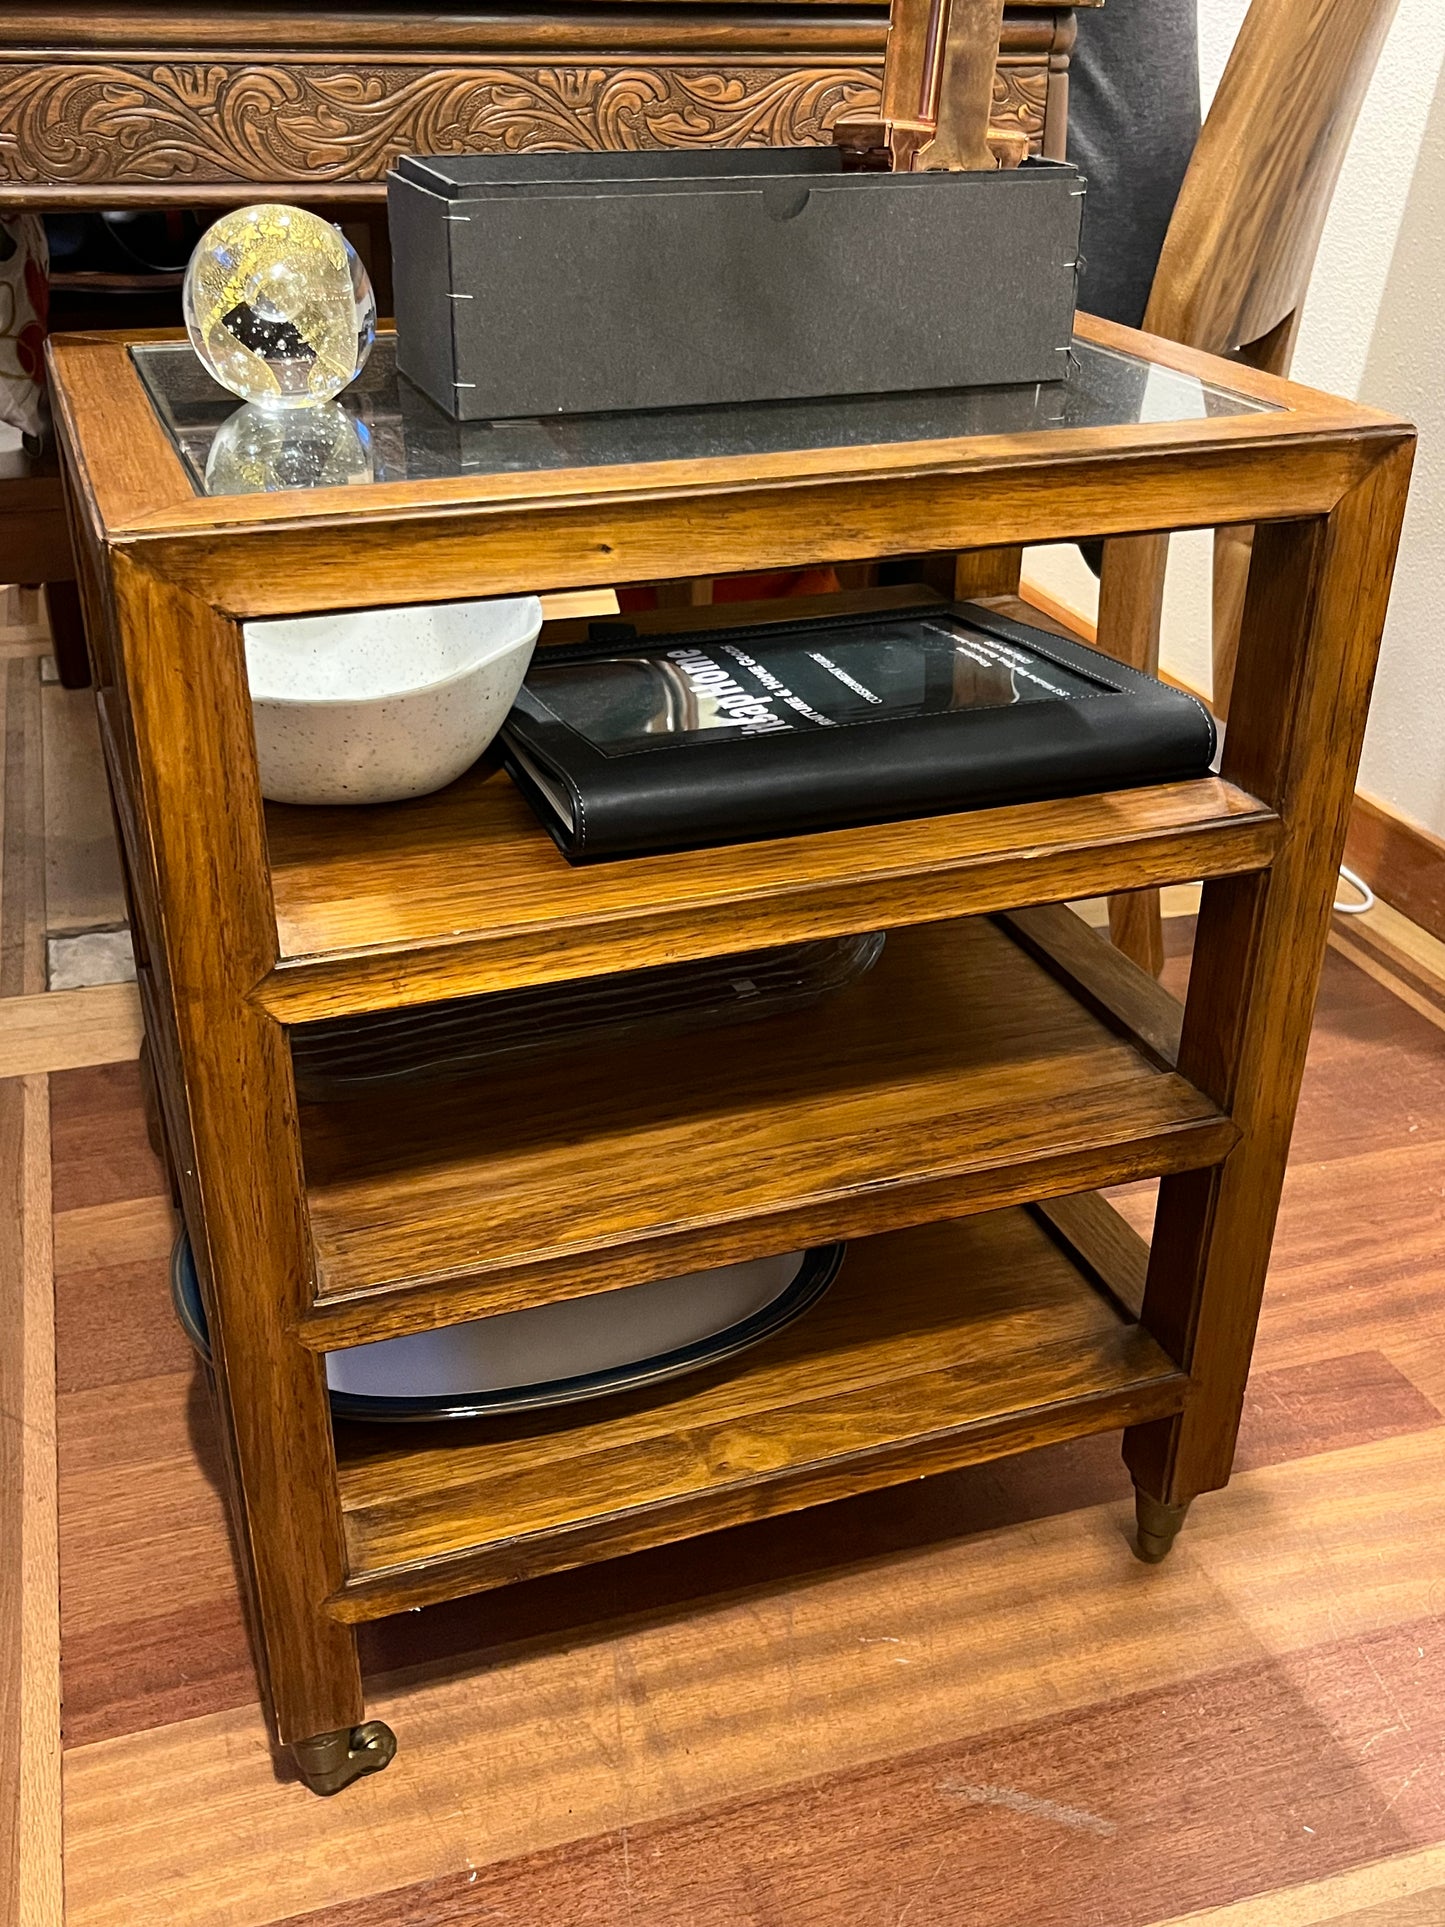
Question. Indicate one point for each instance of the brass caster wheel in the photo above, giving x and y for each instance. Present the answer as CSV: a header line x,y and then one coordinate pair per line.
x,y
329,1761
1158,1527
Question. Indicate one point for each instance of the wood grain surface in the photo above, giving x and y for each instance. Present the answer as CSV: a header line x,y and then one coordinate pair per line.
x,y
1077,1801
728,1702
893,1375
573,529
22,836
1397,953
649,524
460,893
234,1146
32,528
63,1029
158,106
30,1841
1318,593
1101,976
1403,860
951,1073
30,1872
1239,251
872,1133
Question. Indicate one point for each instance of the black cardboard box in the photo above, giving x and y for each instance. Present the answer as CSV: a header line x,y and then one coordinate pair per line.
x,y
569,283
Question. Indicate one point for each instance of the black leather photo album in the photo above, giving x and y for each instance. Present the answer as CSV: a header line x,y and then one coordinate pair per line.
x,y
731,735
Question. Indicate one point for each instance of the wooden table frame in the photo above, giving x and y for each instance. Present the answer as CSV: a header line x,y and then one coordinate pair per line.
x,y
243,930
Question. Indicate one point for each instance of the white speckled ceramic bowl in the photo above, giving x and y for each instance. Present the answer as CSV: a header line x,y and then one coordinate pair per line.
x,y
373,705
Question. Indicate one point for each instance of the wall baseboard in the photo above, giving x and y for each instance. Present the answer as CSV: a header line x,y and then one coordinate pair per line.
x,y
1048,604
1402,861
1397,953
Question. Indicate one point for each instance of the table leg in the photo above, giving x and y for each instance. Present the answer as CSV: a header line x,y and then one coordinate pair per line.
x,y
1315,608
231,1098
67,634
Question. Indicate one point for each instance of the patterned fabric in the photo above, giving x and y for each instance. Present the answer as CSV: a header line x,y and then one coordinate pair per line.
x,y
24,300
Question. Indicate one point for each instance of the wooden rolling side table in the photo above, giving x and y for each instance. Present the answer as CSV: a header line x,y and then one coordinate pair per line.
x,y
956,1113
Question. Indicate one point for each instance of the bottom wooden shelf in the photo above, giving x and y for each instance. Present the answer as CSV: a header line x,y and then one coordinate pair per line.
x,y
935,1347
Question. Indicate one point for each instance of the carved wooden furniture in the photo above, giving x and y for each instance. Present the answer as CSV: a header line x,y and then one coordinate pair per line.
x,y
1232,279
936,102
956,1114
113,106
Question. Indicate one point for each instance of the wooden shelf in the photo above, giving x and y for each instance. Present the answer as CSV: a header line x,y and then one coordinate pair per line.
x,y
935,1347
957,1076
462,892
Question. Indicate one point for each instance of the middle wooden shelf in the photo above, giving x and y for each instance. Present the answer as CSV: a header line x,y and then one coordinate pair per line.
x,y
959,1075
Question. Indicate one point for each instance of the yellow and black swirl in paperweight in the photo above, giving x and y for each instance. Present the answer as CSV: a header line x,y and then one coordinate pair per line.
x,y
279,307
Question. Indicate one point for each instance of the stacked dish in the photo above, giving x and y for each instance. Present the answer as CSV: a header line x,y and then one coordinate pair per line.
x,y
347,1056
580,1348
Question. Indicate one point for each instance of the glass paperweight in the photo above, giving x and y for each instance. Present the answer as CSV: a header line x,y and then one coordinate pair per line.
x,y
259,448
279,307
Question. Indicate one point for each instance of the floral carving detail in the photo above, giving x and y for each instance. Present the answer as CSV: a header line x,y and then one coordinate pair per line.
x,y
207,121
1020,100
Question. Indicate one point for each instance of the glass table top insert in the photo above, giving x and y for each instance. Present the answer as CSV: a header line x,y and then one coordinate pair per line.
x,y
385,430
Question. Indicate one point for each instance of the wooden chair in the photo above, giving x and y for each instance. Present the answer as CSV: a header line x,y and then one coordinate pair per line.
x,y
1231,280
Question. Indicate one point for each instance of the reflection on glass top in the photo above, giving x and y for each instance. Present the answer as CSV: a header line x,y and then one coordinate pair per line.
x,y
385,430
646,699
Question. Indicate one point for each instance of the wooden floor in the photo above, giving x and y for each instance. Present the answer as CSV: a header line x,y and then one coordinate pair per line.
x,y
958,1703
